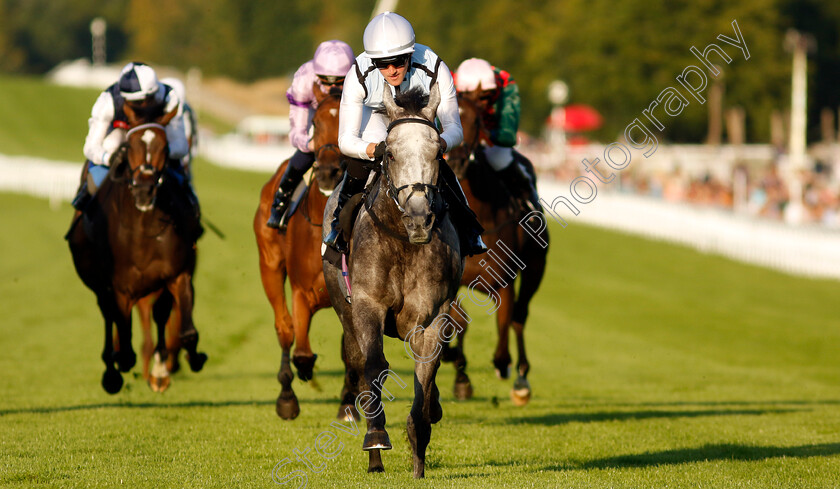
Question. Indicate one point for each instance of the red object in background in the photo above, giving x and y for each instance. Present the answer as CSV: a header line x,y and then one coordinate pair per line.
x,y
575,118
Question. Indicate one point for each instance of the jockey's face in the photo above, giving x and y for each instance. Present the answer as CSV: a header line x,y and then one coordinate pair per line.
x,y
393,69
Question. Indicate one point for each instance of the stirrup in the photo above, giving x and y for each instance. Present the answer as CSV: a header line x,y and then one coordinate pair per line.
x,y
278,209
336,241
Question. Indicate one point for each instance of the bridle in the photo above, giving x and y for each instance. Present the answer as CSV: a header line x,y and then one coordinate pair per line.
x,y
145,168
393,191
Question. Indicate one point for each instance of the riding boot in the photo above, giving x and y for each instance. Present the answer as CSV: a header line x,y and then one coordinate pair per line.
x,y
520,185
288,184
353,182
464,219
83,194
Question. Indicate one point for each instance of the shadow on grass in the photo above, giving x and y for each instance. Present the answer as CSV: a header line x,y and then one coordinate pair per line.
x,y
135,405
565,418
710,453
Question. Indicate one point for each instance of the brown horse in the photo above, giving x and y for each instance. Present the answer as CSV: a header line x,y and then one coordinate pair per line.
x,y
512,253
296,255
135,240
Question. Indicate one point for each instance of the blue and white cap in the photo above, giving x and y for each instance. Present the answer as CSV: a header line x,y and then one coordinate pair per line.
x,y
138,81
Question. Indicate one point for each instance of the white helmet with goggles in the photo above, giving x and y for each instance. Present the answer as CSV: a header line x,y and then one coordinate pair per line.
x,y
472,73
388,35
138,81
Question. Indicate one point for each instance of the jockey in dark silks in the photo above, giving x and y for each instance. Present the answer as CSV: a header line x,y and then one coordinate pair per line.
x,y
139,88
498,98
392,61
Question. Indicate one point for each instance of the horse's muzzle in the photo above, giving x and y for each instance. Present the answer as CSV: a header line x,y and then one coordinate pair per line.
x,y
419,227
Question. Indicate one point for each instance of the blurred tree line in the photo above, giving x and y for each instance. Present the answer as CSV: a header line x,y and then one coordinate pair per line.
x,y
614,55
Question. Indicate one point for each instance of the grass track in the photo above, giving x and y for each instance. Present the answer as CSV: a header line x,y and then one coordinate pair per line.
x,y
652,366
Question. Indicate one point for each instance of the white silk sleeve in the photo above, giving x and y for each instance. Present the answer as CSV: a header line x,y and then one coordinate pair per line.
x,y
447,111
101,117
350,118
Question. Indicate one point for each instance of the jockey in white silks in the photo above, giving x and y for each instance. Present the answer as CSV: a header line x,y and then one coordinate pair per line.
x,y
393,61
139,88
327,68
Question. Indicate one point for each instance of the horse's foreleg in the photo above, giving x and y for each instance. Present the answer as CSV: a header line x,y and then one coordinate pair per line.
x,y
144,309
112,381
529,282
463,387
368,320
182,290
350,391
159,379
126,358
426,409
287,406
303,358
501,359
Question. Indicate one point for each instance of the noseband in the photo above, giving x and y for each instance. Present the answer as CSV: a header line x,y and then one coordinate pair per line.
x,y
393,191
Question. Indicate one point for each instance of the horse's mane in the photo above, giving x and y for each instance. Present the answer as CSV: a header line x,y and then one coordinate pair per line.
x,y
412,101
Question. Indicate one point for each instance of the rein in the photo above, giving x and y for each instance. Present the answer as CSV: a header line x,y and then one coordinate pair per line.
x,y
148,125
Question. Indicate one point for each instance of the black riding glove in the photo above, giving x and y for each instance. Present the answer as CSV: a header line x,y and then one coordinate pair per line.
x,y
379,151
118,155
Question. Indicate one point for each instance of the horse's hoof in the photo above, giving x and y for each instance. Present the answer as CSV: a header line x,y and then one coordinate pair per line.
x,y
305,366
463,391
287,406
159,384
376,440
197,361
376,469
521,392
112,381
126,360
348,412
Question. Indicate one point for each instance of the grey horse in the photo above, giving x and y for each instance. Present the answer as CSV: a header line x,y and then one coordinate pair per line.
x,y
405,267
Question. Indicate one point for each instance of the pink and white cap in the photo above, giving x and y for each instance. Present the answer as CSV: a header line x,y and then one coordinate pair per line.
x,y
333,58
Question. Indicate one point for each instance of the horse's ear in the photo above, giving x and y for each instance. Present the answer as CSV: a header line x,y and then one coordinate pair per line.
x,y
165,118
388,99
319,94
430,110
130,115
475,94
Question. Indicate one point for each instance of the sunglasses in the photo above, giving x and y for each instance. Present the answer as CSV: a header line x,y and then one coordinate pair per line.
x,y
395,61
331,80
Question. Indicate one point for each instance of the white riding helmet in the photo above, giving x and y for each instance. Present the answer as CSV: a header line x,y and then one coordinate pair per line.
x,y
474,72
333,58
138,81
387,35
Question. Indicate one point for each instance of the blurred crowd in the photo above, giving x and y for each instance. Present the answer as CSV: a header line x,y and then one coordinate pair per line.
x,y
758,189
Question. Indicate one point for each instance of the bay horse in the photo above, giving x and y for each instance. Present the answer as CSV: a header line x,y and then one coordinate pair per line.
x,y
136,241
513,252
404,269
296,254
